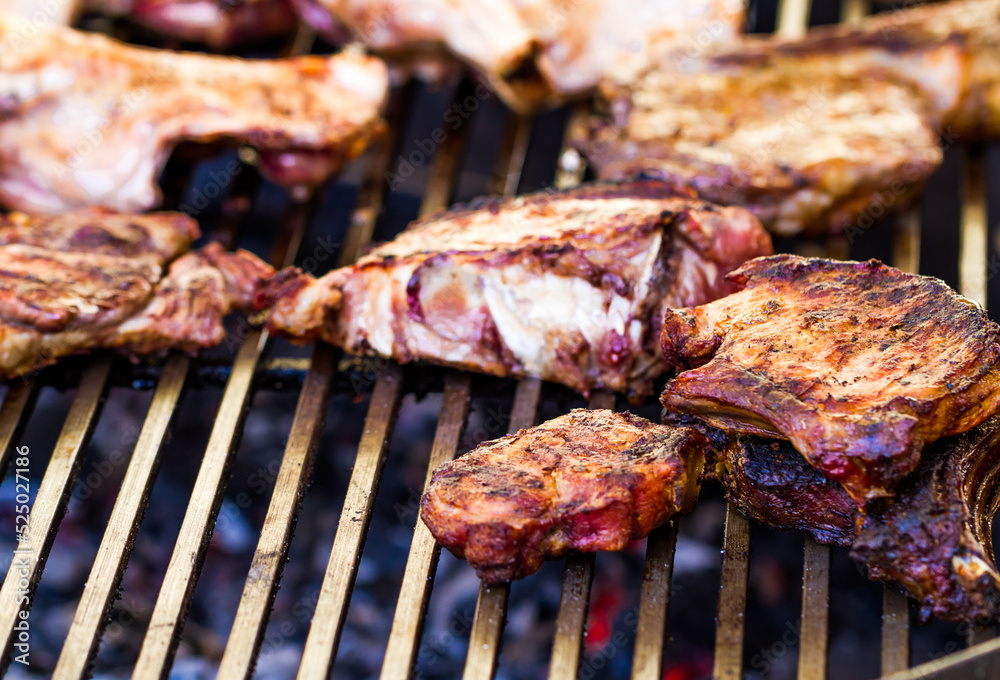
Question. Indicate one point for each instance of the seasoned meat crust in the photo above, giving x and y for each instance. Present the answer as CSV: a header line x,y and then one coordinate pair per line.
x,y
569,286
86,120
534,53
858,364
587,481
820,134
94,279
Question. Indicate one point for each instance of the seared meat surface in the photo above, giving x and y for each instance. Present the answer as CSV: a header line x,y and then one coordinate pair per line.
x,y
85,120
220,24
94,279
933,536
533,52
770,481
858,364
824,133
569,286
587,481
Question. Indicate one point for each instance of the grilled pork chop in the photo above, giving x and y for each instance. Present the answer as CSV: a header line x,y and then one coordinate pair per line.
x,y
933,536
858,364
587,481
533,52
94,279
220,24
823,133
85,120
569,286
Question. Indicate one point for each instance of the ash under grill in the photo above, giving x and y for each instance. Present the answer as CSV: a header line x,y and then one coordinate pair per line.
x,y
337,421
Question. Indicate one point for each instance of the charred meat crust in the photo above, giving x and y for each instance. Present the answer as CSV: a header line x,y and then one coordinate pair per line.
x,y
587,481
858,364
568,285
771,482
935,537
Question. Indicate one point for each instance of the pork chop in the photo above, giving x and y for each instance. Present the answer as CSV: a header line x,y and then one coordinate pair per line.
x,y
858,364
586,481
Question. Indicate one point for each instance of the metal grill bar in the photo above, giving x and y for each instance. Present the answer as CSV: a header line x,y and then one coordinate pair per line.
x,y
973,257
852,11
732,597
185,563
98,595
793,18
17,406
895,630
815,631
265,570
491,605
654,600
331,607
53,494
973,244
418,579
571,622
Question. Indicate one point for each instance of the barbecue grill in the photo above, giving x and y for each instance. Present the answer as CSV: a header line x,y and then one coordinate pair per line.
x,y
326,372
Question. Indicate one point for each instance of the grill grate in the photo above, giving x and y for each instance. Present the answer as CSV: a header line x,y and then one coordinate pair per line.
x,y
319,376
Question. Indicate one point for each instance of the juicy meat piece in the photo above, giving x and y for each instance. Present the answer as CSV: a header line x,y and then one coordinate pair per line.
x,y
220,24
587,481
823,133
94,279
533,52
858,364
85,120
569,286
935,537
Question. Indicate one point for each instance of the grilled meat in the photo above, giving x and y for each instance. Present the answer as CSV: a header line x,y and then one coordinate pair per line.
x,y
85,120
533,52
569,286
858,364
220,24
823,133
94,279
770,481
933,537
587,481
